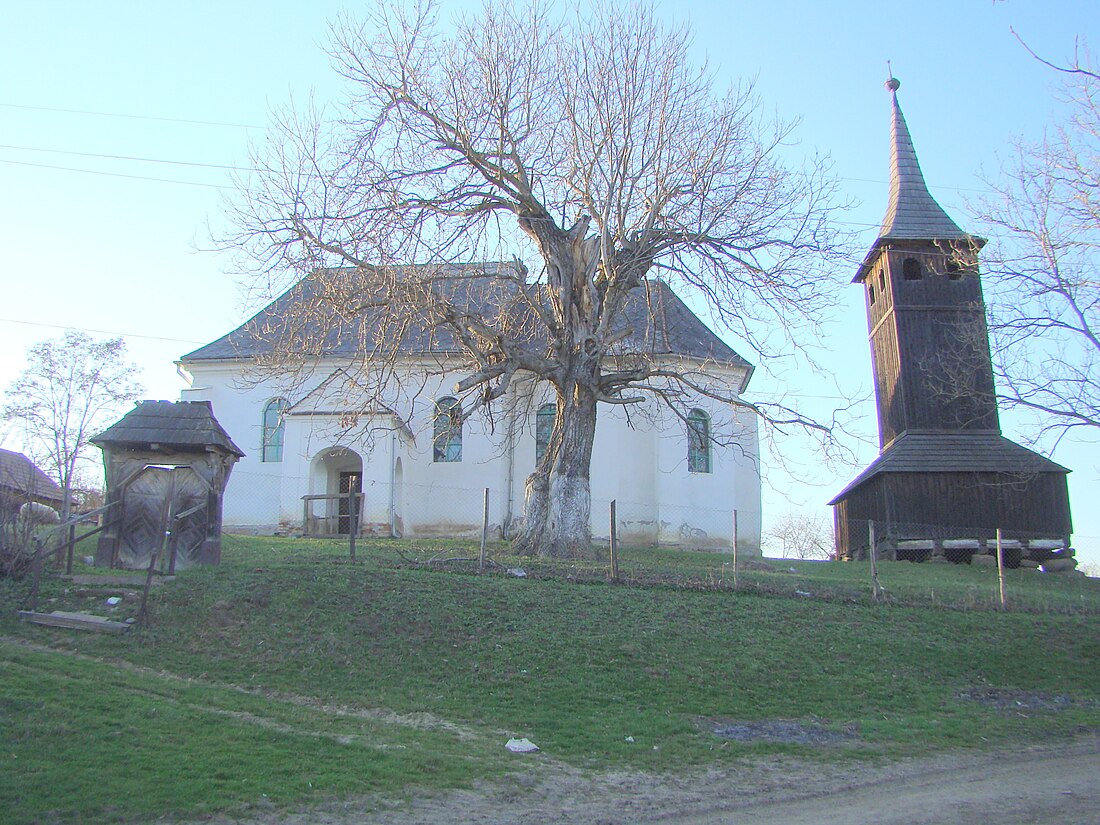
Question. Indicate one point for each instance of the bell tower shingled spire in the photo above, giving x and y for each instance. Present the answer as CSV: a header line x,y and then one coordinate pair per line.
x,y
912,211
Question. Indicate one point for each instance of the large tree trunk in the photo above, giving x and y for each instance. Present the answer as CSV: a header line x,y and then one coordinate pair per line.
x,y
567,533
559,502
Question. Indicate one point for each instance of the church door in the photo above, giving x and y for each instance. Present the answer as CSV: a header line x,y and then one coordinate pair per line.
x,y
350,482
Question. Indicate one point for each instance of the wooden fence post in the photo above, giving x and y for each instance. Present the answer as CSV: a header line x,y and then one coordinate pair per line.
x,y
72,547
613,540
1001,568
36,570
484,530
353,519
876,588
734,549
143,611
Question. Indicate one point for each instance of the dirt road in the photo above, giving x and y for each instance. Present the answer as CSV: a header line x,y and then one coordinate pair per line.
x,y
1019,786
1018,790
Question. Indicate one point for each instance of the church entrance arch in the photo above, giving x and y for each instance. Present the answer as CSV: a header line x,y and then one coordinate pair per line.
x,y
335,472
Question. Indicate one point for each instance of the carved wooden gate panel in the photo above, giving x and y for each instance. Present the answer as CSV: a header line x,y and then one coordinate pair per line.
x,y
190,517
144,515
160,500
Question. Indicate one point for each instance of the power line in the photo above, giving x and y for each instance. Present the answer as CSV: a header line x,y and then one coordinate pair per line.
x,y
127,157
195,183
101,331
930,185
129,116
113,174
249,126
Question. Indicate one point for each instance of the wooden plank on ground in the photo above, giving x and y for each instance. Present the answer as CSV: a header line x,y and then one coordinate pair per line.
x,y
74,621
123,581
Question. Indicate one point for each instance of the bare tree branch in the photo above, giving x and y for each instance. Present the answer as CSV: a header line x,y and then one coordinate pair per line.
x,y
586,144
1044,294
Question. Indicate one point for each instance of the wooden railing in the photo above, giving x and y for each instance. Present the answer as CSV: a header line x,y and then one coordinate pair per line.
x,y
41,554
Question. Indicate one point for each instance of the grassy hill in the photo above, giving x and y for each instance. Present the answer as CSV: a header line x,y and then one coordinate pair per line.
x,y
289,674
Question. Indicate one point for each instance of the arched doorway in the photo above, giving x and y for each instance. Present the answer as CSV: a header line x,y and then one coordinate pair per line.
x,y
334,473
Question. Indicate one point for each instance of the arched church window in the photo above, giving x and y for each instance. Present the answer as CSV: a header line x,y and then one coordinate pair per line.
x,y
871,293
911,270
544,428
273,425
698,442
447,430
954,271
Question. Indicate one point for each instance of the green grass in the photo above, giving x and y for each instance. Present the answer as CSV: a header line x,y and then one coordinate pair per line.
x,y
226,699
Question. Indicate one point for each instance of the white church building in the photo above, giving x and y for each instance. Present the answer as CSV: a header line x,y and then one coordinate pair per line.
x,y
680,480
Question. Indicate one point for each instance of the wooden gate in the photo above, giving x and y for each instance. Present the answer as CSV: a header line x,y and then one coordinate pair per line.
x,y
164,509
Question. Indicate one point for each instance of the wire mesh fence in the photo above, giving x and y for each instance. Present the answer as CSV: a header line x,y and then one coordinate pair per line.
x,y
920,542
258,503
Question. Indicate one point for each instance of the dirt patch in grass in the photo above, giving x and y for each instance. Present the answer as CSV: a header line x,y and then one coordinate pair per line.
x,y
782,732
1021,700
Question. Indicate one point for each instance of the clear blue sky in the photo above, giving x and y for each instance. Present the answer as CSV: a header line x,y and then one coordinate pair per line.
x,y
99,242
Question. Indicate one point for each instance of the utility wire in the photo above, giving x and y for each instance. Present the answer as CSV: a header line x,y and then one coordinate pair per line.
x,y
132,117
101,331
128,157
113,174
941,187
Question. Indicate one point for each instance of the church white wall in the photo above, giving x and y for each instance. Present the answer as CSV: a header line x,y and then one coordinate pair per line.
x,y
639,459
253,497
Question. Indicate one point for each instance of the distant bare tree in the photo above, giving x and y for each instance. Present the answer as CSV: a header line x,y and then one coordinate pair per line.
x,y
72,387
588,145
1043,287
799,534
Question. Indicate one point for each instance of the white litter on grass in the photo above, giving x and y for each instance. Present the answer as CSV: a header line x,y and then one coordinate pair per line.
x,y
522,746
630,739
518,572
803,593
113,600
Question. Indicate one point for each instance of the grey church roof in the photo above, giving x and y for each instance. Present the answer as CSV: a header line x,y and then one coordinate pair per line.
x,y
189,425
911,213
659,321
964,452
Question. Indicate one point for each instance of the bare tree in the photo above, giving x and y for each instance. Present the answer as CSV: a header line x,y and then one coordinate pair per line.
x,y
799,534
72,387
588,145
1044,292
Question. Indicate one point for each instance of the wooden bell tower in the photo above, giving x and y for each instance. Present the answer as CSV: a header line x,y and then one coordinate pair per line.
x,y
944,472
